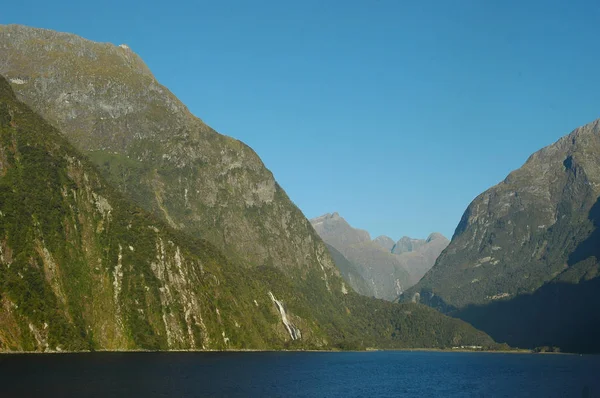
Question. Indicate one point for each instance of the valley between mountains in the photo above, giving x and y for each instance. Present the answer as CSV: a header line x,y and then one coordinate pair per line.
x,y
127,223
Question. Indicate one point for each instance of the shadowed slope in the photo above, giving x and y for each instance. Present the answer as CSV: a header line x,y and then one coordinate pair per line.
x,y
524,259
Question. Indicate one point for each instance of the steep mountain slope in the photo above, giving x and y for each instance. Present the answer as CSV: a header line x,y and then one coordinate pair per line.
x,y
534,233
387,274
350,272
81,268
147,144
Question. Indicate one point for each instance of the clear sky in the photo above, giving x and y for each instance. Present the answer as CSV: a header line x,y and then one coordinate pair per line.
x,y
394,113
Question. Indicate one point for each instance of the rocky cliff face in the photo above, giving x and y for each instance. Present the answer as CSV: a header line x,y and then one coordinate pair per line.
x,y
213,255
148,145
387,272
536,227
81,268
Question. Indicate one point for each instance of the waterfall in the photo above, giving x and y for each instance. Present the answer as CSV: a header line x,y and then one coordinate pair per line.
x,y
292,330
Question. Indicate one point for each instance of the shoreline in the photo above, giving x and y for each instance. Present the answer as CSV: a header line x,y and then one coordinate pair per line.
x,y
515,351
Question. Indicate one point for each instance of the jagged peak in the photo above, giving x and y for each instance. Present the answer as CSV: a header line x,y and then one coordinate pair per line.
x,y
325,217
334,222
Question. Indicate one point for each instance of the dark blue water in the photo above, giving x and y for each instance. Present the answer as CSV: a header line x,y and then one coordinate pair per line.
x,y
289,374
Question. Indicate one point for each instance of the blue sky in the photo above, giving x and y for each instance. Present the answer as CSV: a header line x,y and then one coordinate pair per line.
x,y
394,113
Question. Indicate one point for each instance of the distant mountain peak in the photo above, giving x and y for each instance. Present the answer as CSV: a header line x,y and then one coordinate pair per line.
x,y
407,244
325,217
385,241
336,227
388,267
434,236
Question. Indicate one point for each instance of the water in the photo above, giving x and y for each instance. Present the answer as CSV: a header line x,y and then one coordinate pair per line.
x,y
290,374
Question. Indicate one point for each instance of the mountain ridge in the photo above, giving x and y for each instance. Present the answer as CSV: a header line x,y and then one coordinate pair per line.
x,y
148,145
526,236
83,269
386,270
210,253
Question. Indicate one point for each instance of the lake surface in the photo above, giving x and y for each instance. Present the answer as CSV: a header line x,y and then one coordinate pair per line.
x,y
296,374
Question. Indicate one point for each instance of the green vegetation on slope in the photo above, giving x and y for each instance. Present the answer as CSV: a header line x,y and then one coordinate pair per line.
x,y
81,268
150,148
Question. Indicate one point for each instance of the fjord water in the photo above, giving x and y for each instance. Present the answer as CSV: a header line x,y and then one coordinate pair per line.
x,y
299,374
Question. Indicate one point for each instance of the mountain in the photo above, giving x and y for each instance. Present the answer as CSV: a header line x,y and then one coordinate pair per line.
x,y
385,242
336,231
384,274
152,149
350,272
524,260
419,255
80,268
406,244
387,273
83,267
